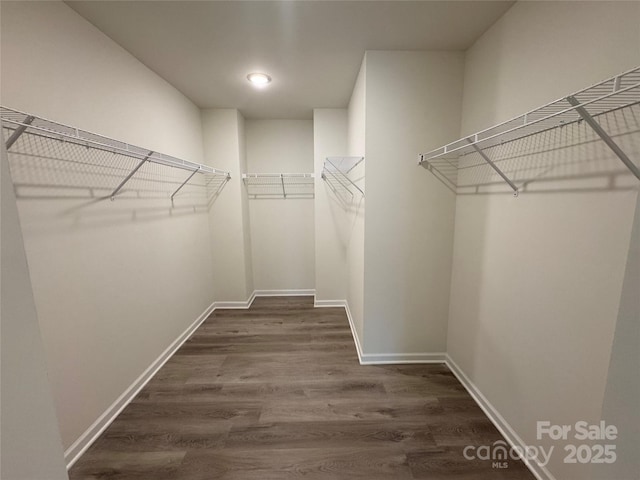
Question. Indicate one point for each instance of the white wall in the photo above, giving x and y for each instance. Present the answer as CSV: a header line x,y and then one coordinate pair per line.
x,y
282,230
74,74
331,240
30,440
244,201
537,279
622,393
230,236
355,208
413,102
114,282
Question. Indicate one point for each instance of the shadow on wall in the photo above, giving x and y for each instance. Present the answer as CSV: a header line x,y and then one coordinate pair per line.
x,y
343,196
344,188
346,201
571,158
44,168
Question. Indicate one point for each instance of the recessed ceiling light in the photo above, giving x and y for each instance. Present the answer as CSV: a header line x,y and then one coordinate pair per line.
x,y
259,79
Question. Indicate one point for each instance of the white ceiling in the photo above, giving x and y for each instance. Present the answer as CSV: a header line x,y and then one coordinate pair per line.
x,y
312,49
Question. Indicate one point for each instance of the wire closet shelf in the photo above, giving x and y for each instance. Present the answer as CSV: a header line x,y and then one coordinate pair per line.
x,y
279,185
586,105
19,123
335,172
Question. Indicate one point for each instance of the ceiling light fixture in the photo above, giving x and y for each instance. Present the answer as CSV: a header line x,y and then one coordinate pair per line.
x,y
259,79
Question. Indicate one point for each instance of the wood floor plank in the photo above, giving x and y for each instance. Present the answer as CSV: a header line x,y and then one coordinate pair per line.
x,y
442,385
181,368
360,434
450,463
265,330
303,463
293,337
115,441
161,465
348,409
277,392
345,346
448,430
248,411
172,426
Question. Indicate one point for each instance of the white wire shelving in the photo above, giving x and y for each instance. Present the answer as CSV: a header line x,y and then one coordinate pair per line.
x,y
279,185
587,105
16,124
344,164
336,172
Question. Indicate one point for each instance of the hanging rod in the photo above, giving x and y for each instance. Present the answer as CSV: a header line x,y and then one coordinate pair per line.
x,y
607,96
23,123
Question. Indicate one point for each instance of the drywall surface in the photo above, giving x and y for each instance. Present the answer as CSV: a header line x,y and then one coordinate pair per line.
x,y
537,279
114,283
331,239
31,444
244,201
413,102
57,65
282,229
230,237
622,393
355,205
539,49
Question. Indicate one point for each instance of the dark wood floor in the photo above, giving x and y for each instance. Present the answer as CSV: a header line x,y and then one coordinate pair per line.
x,y
276,392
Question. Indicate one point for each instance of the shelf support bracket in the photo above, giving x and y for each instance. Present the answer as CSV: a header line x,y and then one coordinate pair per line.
x,y
337,173
586,116
494,166
183,184
128,177
284,191
19,131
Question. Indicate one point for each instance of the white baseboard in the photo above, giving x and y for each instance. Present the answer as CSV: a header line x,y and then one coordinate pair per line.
x,y
514,440
379,358
329,303
343,304
75,451
391,358
285,293
354,332
265,293
236,305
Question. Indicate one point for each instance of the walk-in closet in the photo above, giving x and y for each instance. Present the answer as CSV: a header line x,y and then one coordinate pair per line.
x,y
290,239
